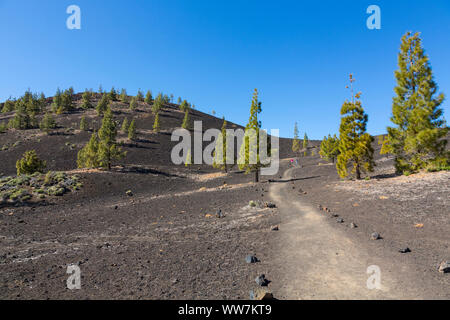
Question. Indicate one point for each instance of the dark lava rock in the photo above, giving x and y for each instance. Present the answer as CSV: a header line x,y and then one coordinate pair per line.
x,y
444,267
275,228
340,220
251,259
261,280
404,250
270,205
353,225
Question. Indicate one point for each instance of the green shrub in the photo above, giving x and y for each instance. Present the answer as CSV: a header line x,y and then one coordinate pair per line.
x,y
30,163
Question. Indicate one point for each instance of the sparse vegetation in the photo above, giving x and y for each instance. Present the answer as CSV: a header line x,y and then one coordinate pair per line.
x,y
30,163
48,123
295,141
329,148
102,105
186,120
83,124
132,131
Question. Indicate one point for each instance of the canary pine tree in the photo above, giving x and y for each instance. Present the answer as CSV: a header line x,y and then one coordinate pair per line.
x,y
305,145
148,97
125,125
84,124
186,121
156,124
296,141
86,100
102,105
108,149
418,138
329,148
220,152
88,156
133,103
355,145
252,146
132,131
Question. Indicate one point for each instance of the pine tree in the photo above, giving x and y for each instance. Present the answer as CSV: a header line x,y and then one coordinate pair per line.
x,y
156,124
250,153
102,105
305,145
47,123
186,121
83,124
108,149
88,156
133,103
30,163
86,100
125,125
148,97
220,152
296,141
22,120
140,96
179,101
8,106
132,131
355,145
57,100
112,95
418,138
329,148
123,96
184,106
66,102
157,104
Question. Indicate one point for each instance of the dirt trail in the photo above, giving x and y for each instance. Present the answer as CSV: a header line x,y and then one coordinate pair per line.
x,y
316,260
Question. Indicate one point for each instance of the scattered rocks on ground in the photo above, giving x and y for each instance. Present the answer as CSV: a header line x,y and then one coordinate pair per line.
x,y
444,267
270,205
251,259
261,280
375,236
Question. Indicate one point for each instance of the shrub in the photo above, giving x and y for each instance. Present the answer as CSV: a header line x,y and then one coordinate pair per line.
x,y
30,163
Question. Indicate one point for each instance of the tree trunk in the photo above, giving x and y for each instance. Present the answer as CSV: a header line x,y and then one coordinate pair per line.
x,y
358,172
257,175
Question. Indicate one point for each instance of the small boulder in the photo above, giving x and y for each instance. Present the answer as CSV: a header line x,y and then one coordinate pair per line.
x,y
404,250
129,193
444,267
340,220
261,294
353,225
375,236
275,228
261,280
219,214
270,205
251,259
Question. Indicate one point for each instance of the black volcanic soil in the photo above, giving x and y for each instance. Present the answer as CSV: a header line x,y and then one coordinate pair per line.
x,y
165,241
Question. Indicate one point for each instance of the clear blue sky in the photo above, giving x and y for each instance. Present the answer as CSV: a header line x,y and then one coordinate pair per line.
x,y
214,53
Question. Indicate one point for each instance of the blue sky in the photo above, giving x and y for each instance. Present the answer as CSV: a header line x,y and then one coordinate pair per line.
x,y
214,53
